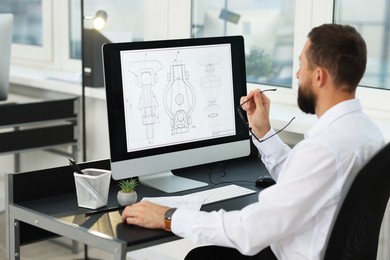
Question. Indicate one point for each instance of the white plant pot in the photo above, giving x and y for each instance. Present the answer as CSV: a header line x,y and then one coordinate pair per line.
x,y
126,199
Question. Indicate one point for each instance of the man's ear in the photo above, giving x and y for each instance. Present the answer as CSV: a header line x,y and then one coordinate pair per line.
x,y
321,76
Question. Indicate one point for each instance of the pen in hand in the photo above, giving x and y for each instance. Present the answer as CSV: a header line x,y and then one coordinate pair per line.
x,y
261,91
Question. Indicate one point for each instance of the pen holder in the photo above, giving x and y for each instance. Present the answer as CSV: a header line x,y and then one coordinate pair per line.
x,y
92,188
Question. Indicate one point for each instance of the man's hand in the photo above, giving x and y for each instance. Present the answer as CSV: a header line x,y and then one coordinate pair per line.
x,y
257,110
145,214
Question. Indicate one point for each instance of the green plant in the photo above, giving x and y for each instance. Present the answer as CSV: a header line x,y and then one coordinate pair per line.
x,y
258,64
128,185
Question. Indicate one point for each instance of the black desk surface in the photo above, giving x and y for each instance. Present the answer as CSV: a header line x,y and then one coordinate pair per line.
x,y
64,206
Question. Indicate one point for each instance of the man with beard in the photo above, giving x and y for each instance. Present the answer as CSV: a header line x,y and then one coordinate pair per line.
x,y
292,218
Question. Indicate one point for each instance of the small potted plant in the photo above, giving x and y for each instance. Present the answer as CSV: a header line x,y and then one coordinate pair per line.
x,y
127,194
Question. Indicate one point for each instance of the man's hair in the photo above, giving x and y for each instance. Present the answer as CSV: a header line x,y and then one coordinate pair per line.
x,y
341,50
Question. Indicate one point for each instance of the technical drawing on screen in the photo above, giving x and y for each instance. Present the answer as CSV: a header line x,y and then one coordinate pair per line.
x,y
183,98
171,104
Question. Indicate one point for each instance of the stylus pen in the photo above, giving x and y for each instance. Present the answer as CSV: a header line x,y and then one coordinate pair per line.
x,y
103,210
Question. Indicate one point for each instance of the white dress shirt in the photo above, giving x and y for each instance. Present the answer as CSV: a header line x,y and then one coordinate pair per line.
x,y
294,215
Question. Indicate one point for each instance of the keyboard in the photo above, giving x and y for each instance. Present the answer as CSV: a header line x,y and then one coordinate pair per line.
x,y
222,193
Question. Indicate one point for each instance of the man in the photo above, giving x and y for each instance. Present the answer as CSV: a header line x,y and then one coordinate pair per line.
x,y
292,218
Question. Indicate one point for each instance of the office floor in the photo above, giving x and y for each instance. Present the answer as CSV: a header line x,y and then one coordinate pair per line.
x,y
58,249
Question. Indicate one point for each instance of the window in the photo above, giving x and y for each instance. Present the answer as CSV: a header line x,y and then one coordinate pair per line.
x,y
372,20
74,30
27,20
268,30
32,26
56,43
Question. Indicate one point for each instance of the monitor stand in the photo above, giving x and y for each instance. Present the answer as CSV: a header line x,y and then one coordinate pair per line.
x,y
170,183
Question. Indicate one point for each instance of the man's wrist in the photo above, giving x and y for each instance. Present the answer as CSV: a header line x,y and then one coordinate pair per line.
x,y
261,133
168,218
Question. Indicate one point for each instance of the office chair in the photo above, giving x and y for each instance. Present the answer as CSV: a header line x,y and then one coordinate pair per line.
x,y
355,231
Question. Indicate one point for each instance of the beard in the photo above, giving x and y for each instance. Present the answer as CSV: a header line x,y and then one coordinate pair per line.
x,y
306,100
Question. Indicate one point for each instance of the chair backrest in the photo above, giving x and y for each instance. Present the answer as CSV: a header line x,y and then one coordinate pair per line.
x,y
356,227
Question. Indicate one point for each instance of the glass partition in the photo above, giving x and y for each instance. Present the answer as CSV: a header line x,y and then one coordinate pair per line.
x,y
123,22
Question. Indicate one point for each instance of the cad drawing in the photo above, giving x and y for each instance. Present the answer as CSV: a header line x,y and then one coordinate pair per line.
x,y
179,98
211,85
146,77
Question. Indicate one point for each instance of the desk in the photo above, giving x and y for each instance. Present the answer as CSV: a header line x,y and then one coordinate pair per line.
x,y
43,204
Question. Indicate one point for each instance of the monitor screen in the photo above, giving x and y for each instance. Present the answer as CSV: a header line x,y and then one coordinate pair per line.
x,y
6,23
171,104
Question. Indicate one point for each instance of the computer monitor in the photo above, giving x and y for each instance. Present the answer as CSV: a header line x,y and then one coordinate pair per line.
x,y
6,24
171,104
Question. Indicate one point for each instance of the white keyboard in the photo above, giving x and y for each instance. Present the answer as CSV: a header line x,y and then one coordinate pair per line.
x,y
222,193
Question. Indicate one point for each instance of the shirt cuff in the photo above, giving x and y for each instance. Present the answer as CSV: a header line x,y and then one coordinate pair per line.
x,y
180,220
268,146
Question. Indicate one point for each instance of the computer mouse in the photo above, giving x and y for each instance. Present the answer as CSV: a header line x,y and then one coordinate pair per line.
x,y
265,181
